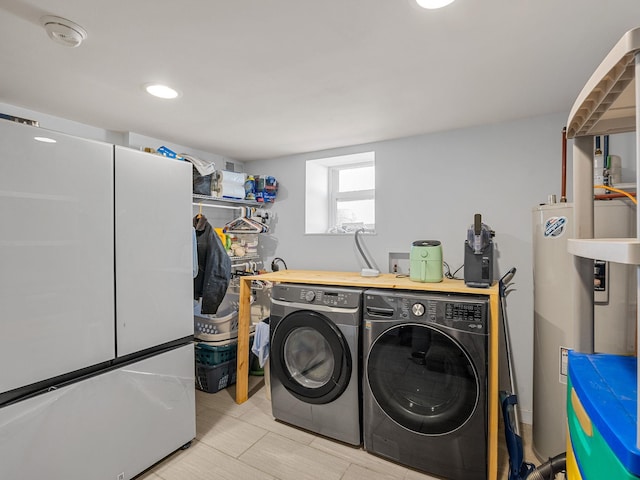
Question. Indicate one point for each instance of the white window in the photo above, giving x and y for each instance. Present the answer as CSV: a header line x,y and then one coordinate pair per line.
x,y
340,194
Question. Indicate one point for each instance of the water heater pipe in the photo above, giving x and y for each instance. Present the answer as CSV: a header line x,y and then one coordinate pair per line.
x,y
563,192
608,196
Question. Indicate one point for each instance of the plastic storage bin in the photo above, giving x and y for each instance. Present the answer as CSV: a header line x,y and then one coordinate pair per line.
x,y
573,472
213,378
207,354
223,323
602,417
210,356
213,353
204,326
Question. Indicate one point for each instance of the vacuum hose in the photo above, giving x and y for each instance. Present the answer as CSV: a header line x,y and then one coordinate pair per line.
x,y
548,470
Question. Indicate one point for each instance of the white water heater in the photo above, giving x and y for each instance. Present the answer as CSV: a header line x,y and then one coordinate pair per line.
x,y
614,315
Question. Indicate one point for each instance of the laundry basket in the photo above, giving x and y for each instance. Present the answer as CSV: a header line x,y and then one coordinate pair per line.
x,y
215,354
215,364
214,325
225,321
213,378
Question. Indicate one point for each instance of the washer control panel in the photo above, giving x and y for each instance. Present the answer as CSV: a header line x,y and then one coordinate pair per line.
x,y
459,311
463,312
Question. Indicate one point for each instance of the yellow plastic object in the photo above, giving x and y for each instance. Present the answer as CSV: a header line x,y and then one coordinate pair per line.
x,y
581,414
222,235
573,471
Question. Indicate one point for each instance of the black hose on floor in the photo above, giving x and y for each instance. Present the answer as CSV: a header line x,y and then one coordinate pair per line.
x,y
549,469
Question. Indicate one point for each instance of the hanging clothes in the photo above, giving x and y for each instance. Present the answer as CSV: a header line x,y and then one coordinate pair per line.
x,y
194,260
214,267
260,347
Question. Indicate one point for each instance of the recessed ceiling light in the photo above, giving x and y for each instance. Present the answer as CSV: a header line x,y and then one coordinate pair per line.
x,y
433,4
45,139
161,91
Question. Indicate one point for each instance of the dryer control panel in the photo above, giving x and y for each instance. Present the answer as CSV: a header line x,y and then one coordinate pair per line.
x,y
462,312
318,295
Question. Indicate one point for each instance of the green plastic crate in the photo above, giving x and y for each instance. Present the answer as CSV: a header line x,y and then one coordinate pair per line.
x,y
211,354
214,354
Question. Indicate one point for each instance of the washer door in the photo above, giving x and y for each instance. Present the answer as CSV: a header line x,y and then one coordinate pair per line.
x,y
422,379
311,357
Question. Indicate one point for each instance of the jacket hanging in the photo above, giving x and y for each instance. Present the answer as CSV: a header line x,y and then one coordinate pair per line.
x,y
214,267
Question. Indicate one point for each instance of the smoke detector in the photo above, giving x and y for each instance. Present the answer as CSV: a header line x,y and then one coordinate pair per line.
x,y
63,31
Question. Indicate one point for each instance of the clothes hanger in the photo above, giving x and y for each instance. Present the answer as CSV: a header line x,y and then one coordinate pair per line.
x,y
250,211
242,225
245,224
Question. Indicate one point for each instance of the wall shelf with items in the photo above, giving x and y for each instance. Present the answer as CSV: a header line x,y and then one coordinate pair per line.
x,y
239,234
232,201
245,258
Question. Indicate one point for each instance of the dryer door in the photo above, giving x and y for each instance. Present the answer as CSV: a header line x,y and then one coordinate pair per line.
x,y
311,357
423,379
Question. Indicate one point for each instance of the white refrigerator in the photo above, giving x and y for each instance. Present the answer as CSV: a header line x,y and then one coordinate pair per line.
x,y
614,310
96,318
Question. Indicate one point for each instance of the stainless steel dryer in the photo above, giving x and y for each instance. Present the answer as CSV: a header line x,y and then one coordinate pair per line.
x,y
425,381
315,359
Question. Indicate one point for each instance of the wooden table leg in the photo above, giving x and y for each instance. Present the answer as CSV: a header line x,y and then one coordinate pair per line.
x,y
244,322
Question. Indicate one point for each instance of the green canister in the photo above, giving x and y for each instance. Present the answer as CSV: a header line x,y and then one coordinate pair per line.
x,y
426,261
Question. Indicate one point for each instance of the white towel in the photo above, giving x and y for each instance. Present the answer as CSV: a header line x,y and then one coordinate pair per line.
x,y
261,343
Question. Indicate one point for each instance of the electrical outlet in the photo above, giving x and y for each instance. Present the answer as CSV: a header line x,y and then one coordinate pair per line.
x,y
120,476
399,263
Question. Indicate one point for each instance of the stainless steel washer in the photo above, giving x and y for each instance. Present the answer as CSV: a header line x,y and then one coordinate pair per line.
x,y
315,359
425,381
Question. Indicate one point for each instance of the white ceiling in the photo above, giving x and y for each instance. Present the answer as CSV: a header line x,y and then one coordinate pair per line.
x,y
268,78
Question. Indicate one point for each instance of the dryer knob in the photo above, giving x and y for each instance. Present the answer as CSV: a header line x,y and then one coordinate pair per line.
x,y
310,296
418,309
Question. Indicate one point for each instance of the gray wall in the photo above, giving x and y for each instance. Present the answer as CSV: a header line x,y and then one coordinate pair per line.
x,y
429,187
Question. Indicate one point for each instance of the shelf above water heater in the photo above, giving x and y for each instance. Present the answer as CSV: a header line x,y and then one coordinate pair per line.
x,y
607,103
618,250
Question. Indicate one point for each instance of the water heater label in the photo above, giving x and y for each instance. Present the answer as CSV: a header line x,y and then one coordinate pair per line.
x,y
564,364
555,226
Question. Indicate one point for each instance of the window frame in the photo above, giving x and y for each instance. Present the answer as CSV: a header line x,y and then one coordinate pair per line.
x,y
336,196
318,205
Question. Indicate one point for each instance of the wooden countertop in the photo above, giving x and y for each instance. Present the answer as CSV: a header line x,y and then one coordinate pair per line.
x,y
387,281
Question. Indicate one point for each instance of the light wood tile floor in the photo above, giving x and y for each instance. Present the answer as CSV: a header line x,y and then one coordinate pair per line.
x,y
244,442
